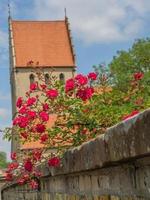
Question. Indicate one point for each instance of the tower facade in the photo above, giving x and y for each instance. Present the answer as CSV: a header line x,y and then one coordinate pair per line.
x,y
38,44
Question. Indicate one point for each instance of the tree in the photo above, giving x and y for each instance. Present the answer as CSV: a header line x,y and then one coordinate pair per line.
x,y
125,63
3,160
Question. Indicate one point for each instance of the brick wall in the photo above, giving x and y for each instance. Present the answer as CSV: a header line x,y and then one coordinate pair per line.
x,y
114,166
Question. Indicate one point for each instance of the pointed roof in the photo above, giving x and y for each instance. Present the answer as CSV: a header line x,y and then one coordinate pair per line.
x,y
46,43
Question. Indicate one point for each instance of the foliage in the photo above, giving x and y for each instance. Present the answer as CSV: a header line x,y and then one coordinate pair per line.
x,y
125,63
83,107
3,160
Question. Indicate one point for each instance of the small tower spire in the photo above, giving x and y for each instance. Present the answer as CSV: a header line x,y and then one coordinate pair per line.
x,y
65,13
9,10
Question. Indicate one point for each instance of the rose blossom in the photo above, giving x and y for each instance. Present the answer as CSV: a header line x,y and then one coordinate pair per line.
x,y
70,85
26,177
44,116
12,166
21,121
81,80
138,76
9,177
31,101
44,138
40,128
85,93
92,76
21,181
13,156
33,86
19,102
45,107
33,184
28,166
31,115
54,162
23,110
52,93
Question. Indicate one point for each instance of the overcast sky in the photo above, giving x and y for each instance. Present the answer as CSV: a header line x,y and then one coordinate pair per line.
x,y
99,28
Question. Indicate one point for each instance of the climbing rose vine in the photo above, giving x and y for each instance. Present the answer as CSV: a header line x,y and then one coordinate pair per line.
x,y
58,115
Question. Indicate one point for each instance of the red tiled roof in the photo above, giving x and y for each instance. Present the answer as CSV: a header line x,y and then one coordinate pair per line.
x,y
46,42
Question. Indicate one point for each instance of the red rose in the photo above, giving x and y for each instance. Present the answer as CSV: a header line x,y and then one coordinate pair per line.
x,y
33,86
45,107
21,181
92,76
52,93
9,177
33,184
19,102
81,80
26,177
44,138
138,76
44,116
31,115
85,93
22,121
31,101
54,162
13,166
13,156
28,166
40,128
70,85
23,110
16,121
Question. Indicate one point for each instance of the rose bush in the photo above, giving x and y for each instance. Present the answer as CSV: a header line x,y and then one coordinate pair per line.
x,y
84,107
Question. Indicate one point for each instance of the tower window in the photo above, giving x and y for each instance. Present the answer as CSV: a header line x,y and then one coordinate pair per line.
x,y
32,78
47,78
62,77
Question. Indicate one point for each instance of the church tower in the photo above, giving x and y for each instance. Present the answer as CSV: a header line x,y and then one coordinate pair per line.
x,y
38,44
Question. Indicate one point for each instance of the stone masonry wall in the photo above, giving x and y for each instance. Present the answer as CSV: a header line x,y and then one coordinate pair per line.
x,y
2,182
114,166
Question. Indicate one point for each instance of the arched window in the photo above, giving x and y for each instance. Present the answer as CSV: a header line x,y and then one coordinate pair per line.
x,y
46,78
32,78
62,77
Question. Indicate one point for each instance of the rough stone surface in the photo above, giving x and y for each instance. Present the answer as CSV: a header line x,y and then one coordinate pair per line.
x,y
2,182
113,166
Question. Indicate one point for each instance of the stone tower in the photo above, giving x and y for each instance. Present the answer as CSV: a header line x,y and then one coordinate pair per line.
x,y
38,44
